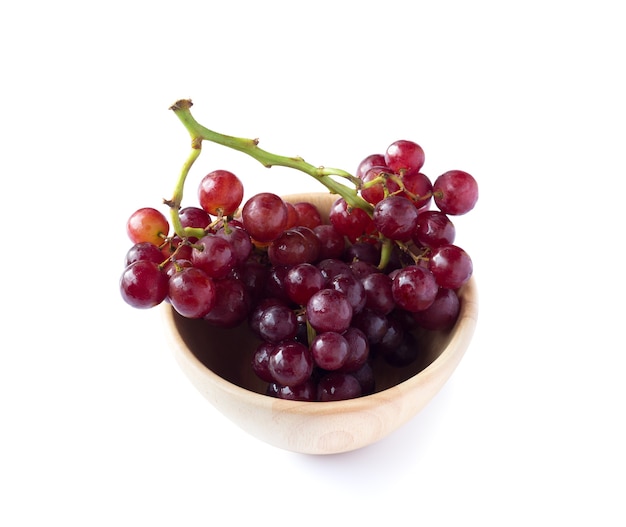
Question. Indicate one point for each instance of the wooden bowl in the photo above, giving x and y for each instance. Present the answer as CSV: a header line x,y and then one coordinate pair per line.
x,y
217,362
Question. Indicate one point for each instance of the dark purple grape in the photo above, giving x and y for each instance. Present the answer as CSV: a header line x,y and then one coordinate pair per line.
x,y
192,292
306,391
359,350
302,281
143,284
277,322
214,255
433,228
239,240
330,350
291,363
351,286
232,304
337,386
395,217
264,216
414,288
329,310
442,313
261,361
143,251
372,323
378,292
406,353
332,243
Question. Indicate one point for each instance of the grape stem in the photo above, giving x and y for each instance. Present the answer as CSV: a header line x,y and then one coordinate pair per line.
x,y
250,147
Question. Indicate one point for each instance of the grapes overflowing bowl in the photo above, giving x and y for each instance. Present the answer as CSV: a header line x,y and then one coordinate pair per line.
x,y
317,322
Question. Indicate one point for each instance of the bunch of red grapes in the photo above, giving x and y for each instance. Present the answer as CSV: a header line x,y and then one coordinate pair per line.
x,y
323,298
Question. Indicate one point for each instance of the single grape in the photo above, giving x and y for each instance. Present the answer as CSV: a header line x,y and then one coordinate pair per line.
x,y
331,267
352,288
214,255
264,216
143,251
292,216
378,292
450,265
330,350
306,391
194,217
192,292
373,324
147,225
261,361
291,363
395,217
232,304
418,188
442,313
414,288
302,281
338,386
294,246
308,214
455,192
366,378
374,189
370,161
253,275
359,350
363,252
433,228
332,243
220,193
238,239
276,323
406,353
329,310
404,157
275,284
143,284
350,221
392,339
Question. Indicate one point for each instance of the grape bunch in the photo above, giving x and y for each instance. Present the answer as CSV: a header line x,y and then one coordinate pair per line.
x,y
324,298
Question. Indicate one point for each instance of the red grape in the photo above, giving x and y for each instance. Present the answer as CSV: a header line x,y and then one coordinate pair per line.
x,y
414,288
433,228
143,284
264,216
192,292
214,255
329,310
455,192
147,225
291,363
450,265
395,217
404,157
330,350
220,193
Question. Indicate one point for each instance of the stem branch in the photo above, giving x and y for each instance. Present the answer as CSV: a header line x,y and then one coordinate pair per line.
x,y
250,147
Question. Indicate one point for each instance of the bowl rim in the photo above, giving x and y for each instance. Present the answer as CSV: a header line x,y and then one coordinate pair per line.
x,y
447,361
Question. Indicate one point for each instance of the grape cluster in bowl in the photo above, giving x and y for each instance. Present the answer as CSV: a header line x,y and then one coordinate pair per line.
x,y
324,292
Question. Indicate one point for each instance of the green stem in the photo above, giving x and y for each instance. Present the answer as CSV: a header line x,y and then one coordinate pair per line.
x,y
177,196
250,147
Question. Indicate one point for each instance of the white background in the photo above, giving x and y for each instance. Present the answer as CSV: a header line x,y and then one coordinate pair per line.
x,y
100,427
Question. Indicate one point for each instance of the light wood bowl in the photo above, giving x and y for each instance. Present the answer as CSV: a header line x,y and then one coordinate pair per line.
x,y
217,362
